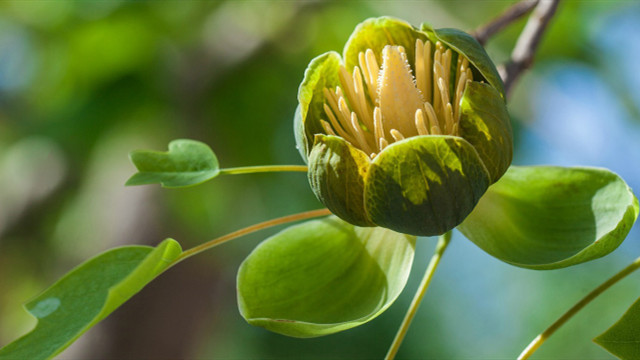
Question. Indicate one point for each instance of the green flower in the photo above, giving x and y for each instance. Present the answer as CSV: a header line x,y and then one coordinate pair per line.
x,y
407,130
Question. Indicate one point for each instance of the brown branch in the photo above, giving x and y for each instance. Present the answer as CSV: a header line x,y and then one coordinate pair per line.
x,y
513,13
527,44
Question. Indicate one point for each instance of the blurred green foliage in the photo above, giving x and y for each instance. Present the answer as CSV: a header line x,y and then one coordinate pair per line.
x,y
82,83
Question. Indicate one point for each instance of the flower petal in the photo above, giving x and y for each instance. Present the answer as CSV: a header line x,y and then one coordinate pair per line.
x,y
375,34
551,217
472,50
321,73
484,123
336,174
424,185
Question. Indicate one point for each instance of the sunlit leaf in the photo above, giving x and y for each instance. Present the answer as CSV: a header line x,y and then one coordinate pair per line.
x,y
623,338
87,295
188,162
547,217
323,276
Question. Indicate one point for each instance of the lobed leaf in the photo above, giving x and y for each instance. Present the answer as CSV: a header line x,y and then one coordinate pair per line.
x,y
623,338
87,295
188,162
323,276
548,217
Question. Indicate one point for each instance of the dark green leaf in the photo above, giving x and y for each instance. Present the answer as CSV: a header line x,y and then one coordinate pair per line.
x,y
188,162
87,295
323,276
551,217
623,338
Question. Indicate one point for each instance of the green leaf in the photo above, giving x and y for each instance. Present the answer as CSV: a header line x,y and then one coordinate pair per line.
x,y
188,162
321,73
336,174
485,124
424,185
551,217
623,338
87,295
323,276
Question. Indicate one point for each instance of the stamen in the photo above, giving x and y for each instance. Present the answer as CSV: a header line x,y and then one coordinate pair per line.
x,y
344,110
448,112
364,111
377,124
337,124
358,131
433,119
327,128
347,83
331,99
396,134
382,143
420,69
420,125
373,70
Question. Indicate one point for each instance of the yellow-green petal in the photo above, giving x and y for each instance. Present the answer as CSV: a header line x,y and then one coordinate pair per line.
x,y
321,73
484,123
375,34
424,185
465,44
336,174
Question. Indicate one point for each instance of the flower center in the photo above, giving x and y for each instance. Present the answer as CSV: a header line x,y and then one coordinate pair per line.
x,y
376,106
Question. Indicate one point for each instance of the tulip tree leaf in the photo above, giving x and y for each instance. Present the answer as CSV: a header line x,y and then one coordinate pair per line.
x,y
321,73
336,174
323,276
623,338
188,162
87,295
547,217
484,122
473,51
375,34
424,185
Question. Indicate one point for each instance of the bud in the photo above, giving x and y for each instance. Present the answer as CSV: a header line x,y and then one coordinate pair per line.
x,y
407,131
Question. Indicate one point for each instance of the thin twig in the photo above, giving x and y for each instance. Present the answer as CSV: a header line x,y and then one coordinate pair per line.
x,y
535,344
524,51
513,13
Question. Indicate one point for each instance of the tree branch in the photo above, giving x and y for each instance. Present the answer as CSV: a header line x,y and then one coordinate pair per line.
x,y
527,44
513,13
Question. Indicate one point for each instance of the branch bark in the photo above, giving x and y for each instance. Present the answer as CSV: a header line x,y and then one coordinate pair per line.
x,y
513,13
527,44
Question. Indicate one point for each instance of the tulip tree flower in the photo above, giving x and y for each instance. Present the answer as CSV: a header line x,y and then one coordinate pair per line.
x,y
406,132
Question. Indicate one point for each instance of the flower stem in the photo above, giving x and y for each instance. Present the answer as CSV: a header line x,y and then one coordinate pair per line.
x,y
253,228
263,168
535,344
443,242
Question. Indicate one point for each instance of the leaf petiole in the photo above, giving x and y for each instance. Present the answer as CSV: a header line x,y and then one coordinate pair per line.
x,y
263,168
250,229
443,242
535,344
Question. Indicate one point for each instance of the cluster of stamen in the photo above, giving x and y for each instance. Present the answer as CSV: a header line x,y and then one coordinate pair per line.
x,y
378,105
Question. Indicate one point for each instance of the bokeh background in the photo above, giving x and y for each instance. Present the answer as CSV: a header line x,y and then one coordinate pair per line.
x,y
84,82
